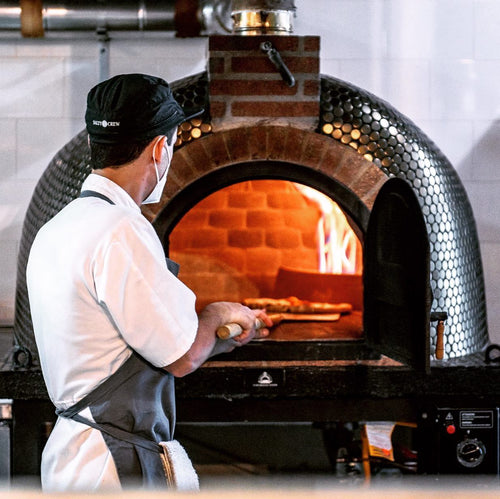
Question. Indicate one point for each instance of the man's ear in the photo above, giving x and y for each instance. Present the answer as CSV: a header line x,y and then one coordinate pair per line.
x,y
158,144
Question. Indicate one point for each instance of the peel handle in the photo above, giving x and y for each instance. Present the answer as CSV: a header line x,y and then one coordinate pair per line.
x,y
233,329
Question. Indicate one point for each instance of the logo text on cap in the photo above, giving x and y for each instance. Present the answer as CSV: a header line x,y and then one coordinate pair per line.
x,y
105,123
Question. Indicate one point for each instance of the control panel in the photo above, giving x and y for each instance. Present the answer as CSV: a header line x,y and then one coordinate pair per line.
x,y
466,440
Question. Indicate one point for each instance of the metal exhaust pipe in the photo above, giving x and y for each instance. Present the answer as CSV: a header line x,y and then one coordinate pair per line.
x,y
263,17
34,18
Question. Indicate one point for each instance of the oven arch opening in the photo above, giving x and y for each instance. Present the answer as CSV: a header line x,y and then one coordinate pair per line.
x,y
216,266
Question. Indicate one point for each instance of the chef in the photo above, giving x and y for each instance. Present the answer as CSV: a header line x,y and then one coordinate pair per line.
x,y
112,322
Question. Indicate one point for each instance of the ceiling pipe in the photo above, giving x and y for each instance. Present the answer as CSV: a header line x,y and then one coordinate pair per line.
x,y
186,18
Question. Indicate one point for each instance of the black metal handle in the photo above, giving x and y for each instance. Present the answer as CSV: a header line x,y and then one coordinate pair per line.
x,y
21,358
492,353
275,58
439,316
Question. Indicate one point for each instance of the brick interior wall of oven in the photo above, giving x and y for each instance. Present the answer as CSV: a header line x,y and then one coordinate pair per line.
x,y
232,243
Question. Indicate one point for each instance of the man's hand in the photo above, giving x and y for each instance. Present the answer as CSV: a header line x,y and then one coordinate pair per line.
x,y
207,344
235,313
259,328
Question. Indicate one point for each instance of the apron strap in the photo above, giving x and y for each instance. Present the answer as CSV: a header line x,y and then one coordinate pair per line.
x,y
95,194
173,266
117,433
122,374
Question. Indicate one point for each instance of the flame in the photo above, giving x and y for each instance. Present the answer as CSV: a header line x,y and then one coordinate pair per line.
x,y
339,249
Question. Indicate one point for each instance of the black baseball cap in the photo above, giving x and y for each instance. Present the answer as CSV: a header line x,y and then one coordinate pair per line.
x,y
135,107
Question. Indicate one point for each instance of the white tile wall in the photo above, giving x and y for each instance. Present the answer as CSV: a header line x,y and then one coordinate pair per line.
x,y
169,58
430,29
486,150
436,61
485,203
80,74
39,139
454,139
333,20
8,147
486,32
403,83
32,87
15,196
491,257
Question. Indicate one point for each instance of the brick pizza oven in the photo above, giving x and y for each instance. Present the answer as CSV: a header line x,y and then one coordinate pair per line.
x,y
231,213
234,216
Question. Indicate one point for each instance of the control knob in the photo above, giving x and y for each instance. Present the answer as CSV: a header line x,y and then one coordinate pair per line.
x,y
470,452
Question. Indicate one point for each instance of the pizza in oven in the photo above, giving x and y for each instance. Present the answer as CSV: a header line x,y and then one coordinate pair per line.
x,y
295,305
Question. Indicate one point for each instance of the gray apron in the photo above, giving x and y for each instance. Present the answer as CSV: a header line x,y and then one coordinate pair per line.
x,y
135,410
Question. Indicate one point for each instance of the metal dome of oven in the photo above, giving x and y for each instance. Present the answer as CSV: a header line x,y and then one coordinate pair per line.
x,y
400,149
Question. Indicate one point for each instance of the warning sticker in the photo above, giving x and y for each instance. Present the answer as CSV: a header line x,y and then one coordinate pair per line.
x,y
379,439
476,419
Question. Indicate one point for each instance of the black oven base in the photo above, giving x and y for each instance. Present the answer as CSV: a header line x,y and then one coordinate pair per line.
x,y
324,395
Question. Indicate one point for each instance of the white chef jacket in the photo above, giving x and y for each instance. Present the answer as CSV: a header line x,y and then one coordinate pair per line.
x,y
99,287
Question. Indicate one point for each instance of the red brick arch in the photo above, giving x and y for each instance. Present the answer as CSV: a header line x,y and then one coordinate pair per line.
x,y
270,143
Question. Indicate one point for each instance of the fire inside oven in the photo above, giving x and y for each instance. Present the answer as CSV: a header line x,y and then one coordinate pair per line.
x,y
279,245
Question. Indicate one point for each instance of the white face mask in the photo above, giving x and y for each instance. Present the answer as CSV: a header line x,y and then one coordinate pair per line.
x,y
155,195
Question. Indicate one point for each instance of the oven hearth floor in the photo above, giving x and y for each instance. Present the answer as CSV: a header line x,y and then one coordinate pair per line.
x,y
347,327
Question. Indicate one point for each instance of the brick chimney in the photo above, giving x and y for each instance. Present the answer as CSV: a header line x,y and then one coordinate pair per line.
x,y
247,88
